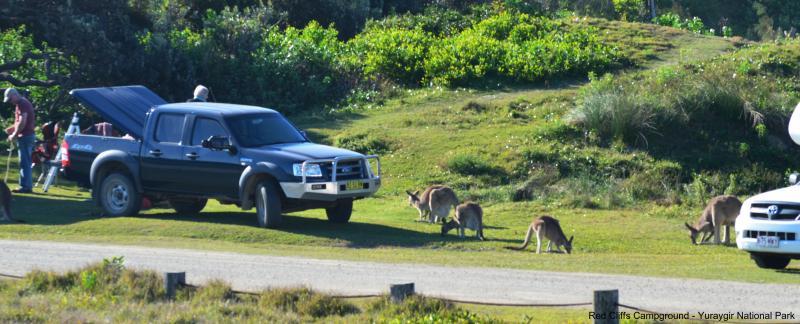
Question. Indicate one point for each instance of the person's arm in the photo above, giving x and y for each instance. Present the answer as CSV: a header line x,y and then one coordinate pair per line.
x,y
22,118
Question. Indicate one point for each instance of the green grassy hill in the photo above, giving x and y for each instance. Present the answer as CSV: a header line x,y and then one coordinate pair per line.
x,y
510,149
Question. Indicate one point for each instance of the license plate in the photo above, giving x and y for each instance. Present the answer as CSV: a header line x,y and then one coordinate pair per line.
x,y
767,241
354,185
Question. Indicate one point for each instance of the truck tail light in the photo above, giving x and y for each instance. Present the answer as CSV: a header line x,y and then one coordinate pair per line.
x,y
64,154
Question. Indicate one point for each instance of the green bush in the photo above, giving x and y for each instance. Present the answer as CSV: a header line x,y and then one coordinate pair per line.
x,y
668,19
306,302
397,54
648,105
467,57
363,143
658,182
630,10
466,164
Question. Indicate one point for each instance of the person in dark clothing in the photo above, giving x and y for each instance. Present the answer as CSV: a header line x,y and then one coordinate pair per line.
x,y
23,133
200,94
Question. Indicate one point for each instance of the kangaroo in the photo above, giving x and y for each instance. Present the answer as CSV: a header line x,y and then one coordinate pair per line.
x,y
440,202
5,202
468,215
546,227
421,202
720,211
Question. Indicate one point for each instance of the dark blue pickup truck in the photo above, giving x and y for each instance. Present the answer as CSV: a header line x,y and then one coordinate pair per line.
x,y
187,153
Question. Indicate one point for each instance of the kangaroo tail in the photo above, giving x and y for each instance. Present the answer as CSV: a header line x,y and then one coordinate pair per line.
x,y
526,242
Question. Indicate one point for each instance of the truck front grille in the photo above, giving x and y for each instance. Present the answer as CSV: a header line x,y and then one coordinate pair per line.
x,y
345,170
785,212
783,236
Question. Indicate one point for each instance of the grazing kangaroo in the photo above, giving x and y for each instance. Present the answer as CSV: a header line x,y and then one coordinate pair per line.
x,y
549,228
468,215
442,199
720,211
5,202
423,202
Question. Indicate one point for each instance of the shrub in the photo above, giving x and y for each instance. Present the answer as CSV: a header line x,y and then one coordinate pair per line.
x,y
655,183
474,106
464,58
394,53
467,164
214,291
690,98
363,143
305,302
668,19
629,10
41,281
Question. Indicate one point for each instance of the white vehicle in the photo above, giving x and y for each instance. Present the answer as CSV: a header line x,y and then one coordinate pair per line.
x,y
768,224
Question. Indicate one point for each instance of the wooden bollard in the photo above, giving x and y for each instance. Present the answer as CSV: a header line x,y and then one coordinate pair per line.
x,y
171,282
606,308
401,291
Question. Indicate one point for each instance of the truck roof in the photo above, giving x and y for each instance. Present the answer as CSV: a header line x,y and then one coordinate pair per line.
x,y
224,109
126,107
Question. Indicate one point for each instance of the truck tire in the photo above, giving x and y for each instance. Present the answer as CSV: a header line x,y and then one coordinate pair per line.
x,y
767,261
118,195
340,213
188,206
268,204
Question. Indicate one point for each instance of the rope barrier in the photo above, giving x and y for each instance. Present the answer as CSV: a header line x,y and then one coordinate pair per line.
x,y
449,300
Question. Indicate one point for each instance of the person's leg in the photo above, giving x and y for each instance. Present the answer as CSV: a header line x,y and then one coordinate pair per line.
x,y
25,144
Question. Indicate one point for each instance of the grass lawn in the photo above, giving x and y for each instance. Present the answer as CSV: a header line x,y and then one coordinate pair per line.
x,y
423,129
639,240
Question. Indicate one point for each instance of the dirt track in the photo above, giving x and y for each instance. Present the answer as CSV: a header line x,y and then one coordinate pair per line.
x,y
253,272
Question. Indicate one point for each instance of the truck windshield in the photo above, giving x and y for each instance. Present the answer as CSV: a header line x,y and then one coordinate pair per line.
x,y
263,129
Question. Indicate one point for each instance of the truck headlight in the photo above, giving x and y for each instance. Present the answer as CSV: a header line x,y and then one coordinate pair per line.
x,y
312,170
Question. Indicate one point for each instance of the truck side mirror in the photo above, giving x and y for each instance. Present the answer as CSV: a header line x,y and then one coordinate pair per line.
x,y
219,143
793,178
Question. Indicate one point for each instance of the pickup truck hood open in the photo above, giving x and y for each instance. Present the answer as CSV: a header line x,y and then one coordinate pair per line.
x,y
301,151
125,107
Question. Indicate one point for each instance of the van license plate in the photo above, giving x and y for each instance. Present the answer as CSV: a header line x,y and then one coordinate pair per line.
x,y
767,241
354,185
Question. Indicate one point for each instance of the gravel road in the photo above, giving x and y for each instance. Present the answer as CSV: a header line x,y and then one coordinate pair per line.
x,y
254,272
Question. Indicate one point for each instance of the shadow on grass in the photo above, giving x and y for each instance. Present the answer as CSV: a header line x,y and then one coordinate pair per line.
x,y
41,209
353,234
794,271
38,209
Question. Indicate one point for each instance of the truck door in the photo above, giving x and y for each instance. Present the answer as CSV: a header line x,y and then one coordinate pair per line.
x,y
215,172
162,166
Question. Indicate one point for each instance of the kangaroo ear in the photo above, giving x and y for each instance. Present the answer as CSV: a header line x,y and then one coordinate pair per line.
x,y
689,226
409,193
416,192
570,239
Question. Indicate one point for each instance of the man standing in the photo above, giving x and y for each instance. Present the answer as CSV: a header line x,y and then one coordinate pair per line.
x,y
200,94
23,132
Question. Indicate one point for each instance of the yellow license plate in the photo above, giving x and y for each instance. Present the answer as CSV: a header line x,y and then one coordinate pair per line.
x,y
354,185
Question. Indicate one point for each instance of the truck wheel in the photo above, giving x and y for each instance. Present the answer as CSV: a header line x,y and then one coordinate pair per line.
x,y
268,205
188,206
118,195
340,213
767,261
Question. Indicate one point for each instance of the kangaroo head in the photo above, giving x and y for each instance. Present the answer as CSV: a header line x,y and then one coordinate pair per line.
x,y
413,199
447,226
693,232
568,245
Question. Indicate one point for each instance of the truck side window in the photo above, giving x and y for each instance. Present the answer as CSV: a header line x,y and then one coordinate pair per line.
x,y
205,128
169,128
